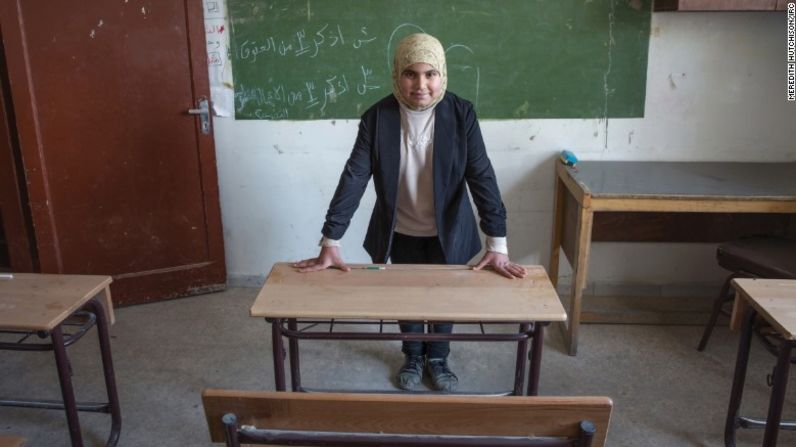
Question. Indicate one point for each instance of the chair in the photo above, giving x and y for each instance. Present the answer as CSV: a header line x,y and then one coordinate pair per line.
x,y
342,419
765,257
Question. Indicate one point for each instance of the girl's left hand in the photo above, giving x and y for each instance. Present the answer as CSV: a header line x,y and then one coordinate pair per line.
x,y
501,264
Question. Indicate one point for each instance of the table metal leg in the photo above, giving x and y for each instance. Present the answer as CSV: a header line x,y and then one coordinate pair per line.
x,y
103,333
291,332
736,394
295,366
519,370
279,354
536,358
780,385
67,391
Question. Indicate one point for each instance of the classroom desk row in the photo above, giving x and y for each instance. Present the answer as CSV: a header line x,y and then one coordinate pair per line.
x,y
45,304
62,308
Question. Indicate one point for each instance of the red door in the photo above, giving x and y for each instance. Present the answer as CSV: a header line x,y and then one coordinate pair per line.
x,y
121,180
15,229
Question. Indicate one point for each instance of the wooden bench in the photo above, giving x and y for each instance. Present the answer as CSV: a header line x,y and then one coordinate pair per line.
x,y
274,418
12,441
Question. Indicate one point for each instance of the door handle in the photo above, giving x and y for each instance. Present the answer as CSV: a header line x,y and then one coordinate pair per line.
x,y
204,114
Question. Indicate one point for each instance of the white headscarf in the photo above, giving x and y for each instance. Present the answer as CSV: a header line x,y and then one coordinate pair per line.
x,y
419,48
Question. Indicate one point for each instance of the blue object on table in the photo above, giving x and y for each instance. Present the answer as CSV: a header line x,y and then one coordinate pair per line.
x,y
568,158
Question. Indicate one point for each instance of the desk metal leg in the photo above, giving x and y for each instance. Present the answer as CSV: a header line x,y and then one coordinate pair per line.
x,y
103,333
536,358
67,391
279,354
295,366
522,351
741,363
780,385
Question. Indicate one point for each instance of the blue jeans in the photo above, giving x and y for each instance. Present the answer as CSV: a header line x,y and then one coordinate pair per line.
x,y
420,250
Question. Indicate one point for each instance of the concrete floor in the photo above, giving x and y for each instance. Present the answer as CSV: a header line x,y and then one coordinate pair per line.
x,y
665,393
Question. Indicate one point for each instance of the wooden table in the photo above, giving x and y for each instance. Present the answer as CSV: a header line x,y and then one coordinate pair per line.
x,y
35,307
654,187
430,293
773,300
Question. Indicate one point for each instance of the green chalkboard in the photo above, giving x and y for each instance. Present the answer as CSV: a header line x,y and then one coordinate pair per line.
x,y
325,59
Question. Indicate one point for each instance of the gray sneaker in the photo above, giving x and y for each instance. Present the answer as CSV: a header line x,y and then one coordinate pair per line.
x,y
442,377
411,373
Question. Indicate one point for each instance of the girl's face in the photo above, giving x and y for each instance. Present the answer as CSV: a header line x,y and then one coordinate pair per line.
x,y
420,84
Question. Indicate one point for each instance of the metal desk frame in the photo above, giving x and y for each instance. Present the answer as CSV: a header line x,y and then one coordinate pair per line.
x,y
288,328
771,300
773,422
94,311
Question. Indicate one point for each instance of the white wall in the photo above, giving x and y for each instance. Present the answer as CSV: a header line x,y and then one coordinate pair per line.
x,y
715,91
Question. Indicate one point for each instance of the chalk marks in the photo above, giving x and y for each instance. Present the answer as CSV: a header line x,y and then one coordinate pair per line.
x,y
277,98
322,80
303,42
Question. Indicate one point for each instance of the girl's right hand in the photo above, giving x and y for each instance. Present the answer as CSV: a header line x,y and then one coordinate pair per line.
x,y
329,257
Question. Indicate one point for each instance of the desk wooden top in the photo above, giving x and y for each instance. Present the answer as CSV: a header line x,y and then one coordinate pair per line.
x,y
714,180
774,300
408,292
30,301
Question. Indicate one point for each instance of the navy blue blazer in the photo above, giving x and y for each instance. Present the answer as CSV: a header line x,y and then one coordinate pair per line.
x,y
460,161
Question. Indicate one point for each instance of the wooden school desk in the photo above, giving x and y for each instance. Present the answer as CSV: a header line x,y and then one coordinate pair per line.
x,y
603,187
430,293
773,300
34,307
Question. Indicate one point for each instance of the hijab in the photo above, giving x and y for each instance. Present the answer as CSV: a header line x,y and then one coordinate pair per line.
x,y
419,48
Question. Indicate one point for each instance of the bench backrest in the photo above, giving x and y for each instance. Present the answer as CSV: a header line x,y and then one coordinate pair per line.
x,y
408,414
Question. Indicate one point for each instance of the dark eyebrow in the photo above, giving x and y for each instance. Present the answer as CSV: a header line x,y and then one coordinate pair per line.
x,y
426,73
